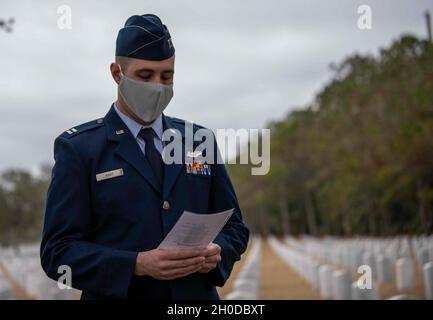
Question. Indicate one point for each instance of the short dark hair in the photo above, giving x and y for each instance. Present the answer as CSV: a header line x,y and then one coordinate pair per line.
x,y
123,62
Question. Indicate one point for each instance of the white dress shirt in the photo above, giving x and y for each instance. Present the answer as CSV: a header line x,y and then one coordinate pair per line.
x,y
134,127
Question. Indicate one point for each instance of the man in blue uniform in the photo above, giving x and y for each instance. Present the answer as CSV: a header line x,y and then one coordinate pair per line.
x,y
112,199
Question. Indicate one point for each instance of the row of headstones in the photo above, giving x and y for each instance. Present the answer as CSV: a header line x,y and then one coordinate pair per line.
x,y
23,263
303,264
9,260
343,256
352,251
247,284
330,281
423,248
319,277
339,284
380,260
6,292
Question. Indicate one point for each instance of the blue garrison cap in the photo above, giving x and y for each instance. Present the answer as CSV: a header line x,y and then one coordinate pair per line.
x,y
144,37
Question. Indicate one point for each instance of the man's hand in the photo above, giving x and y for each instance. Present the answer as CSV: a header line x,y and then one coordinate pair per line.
x,y
213,256
169,264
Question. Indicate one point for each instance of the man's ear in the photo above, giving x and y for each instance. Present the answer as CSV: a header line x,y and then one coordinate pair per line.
x,y
115,72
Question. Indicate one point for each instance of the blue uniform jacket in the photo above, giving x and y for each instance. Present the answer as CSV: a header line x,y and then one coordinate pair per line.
x,y
97,228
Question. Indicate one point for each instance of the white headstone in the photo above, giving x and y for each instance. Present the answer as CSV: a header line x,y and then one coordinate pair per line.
x,y
369,260
315,283
355,260
405,274
342,285
244,284
325,274
404,251
428,280
423,256
383,269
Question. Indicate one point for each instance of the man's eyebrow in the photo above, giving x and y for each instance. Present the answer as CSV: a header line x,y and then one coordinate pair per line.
x,y
145,70
152,70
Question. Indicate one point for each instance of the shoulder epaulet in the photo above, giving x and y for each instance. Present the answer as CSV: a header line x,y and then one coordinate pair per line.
x,y
74,131
182,122
178,121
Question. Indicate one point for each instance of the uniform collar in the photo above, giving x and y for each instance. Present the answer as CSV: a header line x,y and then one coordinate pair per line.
x,y
135,127
115,126
127,148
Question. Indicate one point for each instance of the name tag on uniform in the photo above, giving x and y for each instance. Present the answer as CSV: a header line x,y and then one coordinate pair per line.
x,y
109,174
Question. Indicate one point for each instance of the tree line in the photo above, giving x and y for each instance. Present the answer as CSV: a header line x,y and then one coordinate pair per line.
x,y
22,203
357,161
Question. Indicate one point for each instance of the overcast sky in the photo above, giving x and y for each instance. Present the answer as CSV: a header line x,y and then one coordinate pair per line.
x,y
239,64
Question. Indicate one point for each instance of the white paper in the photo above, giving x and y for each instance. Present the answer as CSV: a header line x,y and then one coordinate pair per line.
x,y
194,230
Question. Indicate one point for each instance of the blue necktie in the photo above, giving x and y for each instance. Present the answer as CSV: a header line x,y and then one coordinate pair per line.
x,y
152,154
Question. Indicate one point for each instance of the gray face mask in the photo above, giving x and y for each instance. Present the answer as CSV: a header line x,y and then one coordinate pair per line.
x,y
147,100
